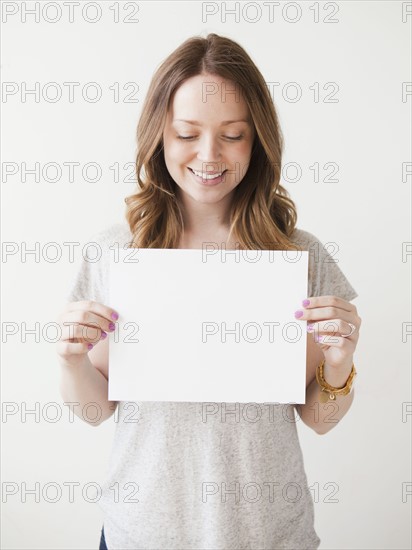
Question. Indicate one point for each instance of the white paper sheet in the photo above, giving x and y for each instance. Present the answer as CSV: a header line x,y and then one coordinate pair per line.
x,y
208,325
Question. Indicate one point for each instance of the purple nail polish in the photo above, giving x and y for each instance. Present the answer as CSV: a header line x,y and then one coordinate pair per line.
x,y
305,303
112,326
309,328
89,346
115,316
318,338
103,336
298,313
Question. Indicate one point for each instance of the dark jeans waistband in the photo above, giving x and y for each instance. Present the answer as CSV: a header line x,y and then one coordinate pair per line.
x,y
103,545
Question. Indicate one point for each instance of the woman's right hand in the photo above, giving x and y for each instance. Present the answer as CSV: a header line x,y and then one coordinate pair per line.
x,y
83,324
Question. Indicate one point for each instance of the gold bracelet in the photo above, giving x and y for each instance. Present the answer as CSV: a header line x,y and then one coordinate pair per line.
x,y
328,389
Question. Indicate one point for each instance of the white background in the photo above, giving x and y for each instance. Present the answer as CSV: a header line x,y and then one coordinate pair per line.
x,y
366,213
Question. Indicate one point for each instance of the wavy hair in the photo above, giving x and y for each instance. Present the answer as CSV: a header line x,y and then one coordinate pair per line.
x,y
262,216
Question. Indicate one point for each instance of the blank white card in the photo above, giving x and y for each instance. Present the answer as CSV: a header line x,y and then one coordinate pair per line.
x,y
208,325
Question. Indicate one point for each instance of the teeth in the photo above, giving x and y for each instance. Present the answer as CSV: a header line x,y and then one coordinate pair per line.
x,y
206,176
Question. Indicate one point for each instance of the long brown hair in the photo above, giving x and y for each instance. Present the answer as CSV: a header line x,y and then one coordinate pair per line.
x,y
262,216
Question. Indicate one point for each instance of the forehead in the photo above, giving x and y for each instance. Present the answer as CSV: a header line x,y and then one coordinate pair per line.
x,y
209,96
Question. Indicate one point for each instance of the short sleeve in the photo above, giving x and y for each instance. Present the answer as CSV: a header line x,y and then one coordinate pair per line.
x,y
326,277
91,281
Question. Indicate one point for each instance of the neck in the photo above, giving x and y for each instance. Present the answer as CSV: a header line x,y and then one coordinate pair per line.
x,y
202,219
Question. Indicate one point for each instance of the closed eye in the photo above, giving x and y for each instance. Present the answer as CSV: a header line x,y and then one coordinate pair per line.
x,y
237,138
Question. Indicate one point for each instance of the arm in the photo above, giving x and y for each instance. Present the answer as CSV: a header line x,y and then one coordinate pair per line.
x,y
87,382
84,371
323,417
329,315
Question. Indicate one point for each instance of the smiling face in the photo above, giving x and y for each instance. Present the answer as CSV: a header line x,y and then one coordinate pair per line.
x,y
207,139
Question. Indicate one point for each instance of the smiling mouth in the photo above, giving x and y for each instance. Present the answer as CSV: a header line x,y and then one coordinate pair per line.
x,y
207,175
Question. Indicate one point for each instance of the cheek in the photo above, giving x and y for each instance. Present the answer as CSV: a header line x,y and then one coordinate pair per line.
x,y
175,153
168,154
241,154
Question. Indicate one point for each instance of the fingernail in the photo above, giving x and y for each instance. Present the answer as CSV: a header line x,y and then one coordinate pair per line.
x,y
90,346
115,315
319,338
298,313
112,326
309,328
103,336
305,303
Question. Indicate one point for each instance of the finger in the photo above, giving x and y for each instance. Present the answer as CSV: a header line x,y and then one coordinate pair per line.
x,y
327,313
67,349
87,318
331,326
81,333
95,307
327,301
336,342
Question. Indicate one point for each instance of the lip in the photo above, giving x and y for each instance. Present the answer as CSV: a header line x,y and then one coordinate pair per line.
x,y
208,171
213,181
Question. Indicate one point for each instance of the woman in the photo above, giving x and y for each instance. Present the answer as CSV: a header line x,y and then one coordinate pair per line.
x,y
208,169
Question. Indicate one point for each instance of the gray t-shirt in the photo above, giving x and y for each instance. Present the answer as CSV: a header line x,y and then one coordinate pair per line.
x,y
210,476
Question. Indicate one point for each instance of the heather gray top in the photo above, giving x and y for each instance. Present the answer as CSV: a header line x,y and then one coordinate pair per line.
x,y
207,476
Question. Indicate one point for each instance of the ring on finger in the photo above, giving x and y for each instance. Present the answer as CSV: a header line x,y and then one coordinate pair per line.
x,y
352,330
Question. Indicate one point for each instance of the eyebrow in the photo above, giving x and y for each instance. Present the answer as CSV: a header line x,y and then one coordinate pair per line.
x,y
197,123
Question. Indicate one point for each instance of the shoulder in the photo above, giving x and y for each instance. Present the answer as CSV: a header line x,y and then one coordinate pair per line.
x,y
304,239
91,280
325,273
116,233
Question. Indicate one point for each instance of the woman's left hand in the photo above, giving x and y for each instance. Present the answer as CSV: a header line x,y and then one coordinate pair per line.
x,y
335,325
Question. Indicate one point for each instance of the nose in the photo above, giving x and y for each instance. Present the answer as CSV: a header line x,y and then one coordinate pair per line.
x,y
209,149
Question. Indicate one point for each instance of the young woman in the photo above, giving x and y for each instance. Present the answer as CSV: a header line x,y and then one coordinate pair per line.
x,y
208,169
